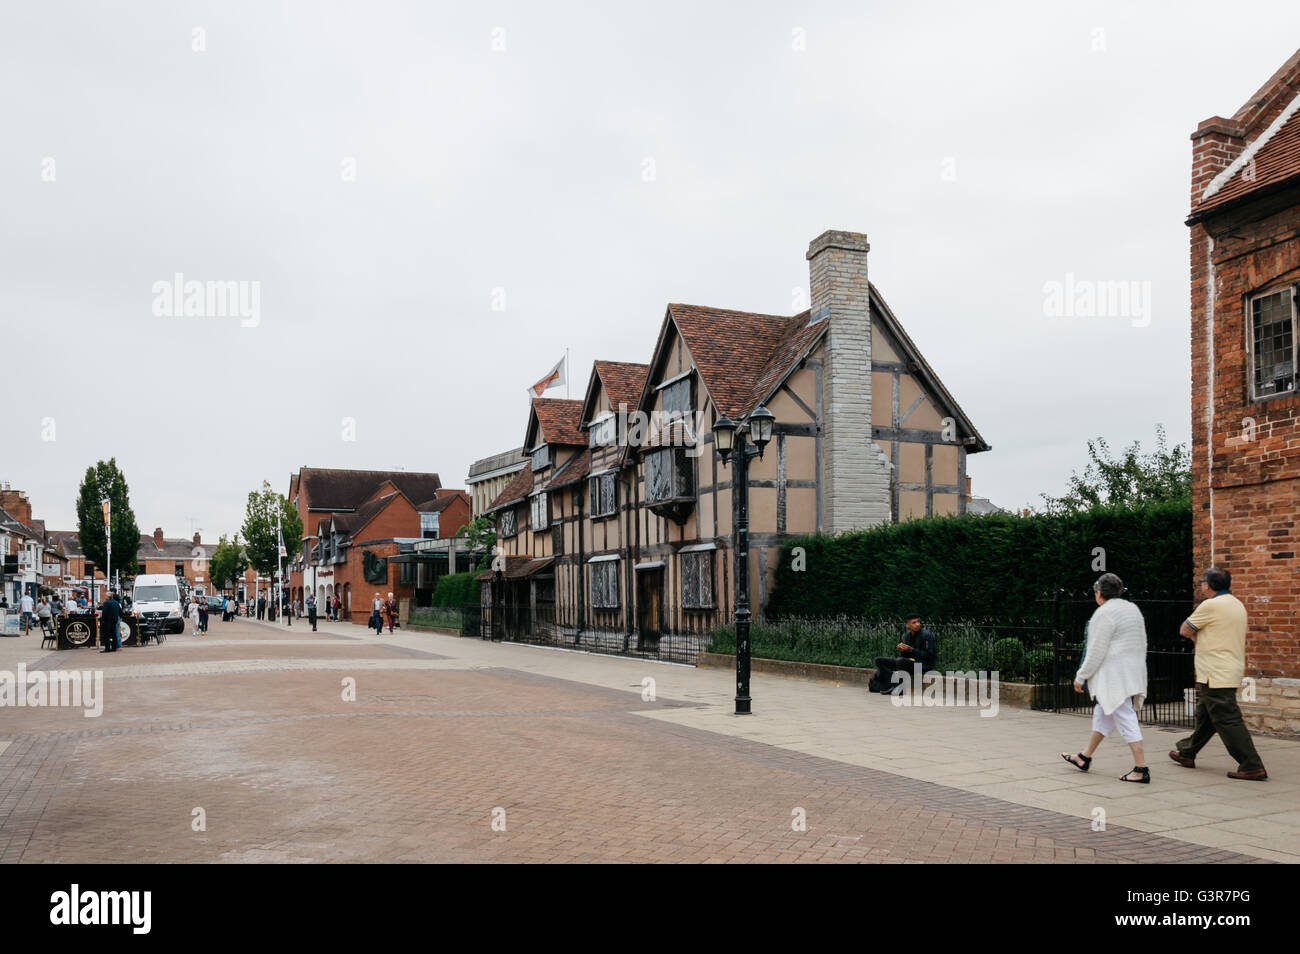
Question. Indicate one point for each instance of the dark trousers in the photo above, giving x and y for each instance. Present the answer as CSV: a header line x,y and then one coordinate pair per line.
x,y
1218,713
311,616
885,669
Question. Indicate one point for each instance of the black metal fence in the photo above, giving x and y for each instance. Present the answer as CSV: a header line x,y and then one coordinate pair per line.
x,y
536,625
1171,678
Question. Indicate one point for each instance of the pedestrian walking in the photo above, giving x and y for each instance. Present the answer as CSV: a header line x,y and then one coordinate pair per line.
x,y
1218,628
194,616
311,612
261,606
336,605
1115,669
390,611
288,609
27,606
203,614
376,620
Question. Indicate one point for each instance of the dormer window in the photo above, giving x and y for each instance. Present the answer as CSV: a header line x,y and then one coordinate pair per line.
x,y
676,400
541,457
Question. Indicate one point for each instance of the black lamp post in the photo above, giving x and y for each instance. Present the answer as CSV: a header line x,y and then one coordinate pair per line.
x,y
730,440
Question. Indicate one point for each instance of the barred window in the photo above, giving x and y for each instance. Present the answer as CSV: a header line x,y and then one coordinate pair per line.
x,y
1273,342
602,495
697,580
507,524
668,475
604,585
541,514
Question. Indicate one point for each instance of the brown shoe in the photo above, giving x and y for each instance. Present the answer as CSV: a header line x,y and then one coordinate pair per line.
x,y
1182,759
1257,775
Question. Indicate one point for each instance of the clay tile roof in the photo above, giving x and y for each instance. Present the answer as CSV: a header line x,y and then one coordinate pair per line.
x,y
353,523
514,564
576,469
1273,145
731,350
560,420
442,501
329,489
515,491
623,381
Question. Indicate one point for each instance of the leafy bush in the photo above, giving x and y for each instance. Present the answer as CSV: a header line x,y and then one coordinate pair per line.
x,y
1039,665
998,566
1007,657
456,589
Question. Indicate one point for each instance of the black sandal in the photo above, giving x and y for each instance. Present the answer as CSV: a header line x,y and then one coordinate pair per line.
x,y
1087,760
1144,780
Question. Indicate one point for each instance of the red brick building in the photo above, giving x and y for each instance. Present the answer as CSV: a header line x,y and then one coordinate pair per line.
x,y
361,529
1245,265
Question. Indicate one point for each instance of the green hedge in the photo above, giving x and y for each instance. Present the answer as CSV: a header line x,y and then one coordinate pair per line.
x,y
456,589
443,617
997,566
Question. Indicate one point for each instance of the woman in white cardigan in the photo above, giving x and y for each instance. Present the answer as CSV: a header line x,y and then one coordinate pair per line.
x,y
1115,669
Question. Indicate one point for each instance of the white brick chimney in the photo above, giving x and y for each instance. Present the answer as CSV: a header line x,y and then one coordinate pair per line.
x,y
854,472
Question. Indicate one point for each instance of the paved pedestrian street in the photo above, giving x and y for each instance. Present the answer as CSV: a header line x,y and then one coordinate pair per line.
x,y
247,745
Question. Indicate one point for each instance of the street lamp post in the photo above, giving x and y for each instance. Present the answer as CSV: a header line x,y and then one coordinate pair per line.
x,y
730,440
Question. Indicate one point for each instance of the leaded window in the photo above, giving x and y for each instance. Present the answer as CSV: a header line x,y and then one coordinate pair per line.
x,y
669,475
603,432
697,580
604,584
507,523
1273,343
542,457
603,501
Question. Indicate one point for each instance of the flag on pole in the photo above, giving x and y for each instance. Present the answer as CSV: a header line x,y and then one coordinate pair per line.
x,y
280,536
553,378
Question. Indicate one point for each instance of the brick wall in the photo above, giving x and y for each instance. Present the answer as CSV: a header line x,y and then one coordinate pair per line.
x,y
1246,454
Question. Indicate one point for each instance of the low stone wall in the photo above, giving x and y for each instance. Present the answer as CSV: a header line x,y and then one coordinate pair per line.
x,y
1014,694
440,630
1276,707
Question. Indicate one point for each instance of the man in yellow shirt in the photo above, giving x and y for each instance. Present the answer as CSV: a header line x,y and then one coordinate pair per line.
x,y
1218,628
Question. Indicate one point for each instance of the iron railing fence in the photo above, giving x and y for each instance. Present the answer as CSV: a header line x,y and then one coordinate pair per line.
x,y
537,625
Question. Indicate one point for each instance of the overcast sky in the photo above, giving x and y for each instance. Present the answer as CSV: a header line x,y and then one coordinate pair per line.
x,y
392,173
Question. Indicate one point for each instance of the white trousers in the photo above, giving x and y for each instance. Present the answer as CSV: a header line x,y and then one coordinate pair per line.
x,y
1124,719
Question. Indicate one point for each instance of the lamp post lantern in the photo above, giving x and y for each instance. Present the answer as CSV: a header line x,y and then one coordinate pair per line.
x,y
731,441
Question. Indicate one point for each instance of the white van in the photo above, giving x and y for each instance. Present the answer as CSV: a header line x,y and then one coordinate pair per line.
x,y
157,596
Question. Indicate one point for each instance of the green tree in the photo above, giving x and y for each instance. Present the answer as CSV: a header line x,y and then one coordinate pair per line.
x,y
1131,480
105,480
480,536
227,563
262,544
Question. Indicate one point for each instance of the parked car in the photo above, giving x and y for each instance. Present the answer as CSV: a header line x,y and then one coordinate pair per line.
x,y
214,603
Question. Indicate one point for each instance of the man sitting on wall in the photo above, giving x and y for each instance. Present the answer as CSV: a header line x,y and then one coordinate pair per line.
x,y
920,647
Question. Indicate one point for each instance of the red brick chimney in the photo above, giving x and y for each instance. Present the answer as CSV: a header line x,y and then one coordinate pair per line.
x,y
1216,142
16,504
157,537
197,541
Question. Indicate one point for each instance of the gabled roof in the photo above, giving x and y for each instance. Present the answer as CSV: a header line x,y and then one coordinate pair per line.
x,y
343,490
443,501
575,469
1269,124
353,523
623,382
171,549
743,358
559,420
519,488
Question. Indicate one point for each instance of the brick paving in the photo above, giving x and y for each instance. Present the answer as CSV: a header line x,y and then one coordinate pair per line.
x,y
434,749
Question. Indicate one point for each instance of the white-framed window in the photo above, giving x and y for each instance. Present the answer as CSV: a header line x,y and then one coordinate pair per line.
x,y
507,523
697,580
603,431
603,494
669,475
541,457
604,584
428,526
1272,337
540,512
